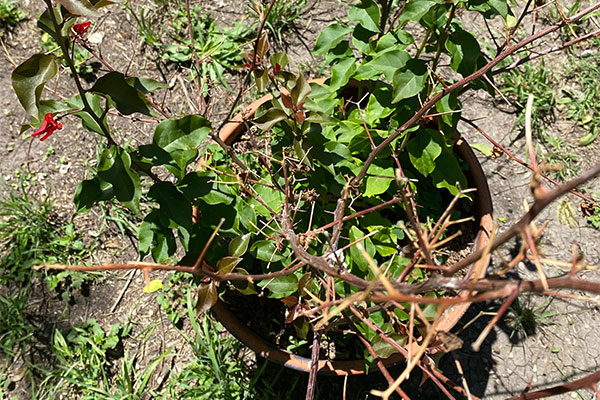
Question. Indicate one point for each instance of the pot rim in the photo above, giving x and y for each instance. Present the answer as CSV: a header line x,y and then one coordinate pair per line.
x,y
229,134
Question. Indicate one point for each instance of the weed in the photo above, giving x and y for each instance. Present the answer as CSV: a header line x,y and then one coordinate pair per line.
x,y
9,14
83,360
536,80
281,18
218,368
218,48
523,319
30,234
582,97
561,155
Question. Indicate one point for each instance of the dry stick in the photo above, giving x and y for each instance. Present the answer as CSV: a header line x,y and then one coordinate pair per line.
x,y
314,365
528,133
411,214
175,268
540,203
486,331
412,362
533,56
475,75
462,376
523,163
199,261
406,354
588,381
386,374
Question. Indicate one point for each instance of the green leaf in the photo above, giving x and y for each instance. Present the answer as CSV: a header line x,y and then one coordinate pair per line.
x,y
261,78
356,255
364,40
383,63
196,184
424,149
409,81
377,185
29,78
270,118
239,245
127,99
153,286
87,120
151,153
185,133
207,297
273,198
330,37
464,50
414,10
280,287
279,58
385,349
155,237
266,251
448,173
341,73
447,107
367,14
300,90
88,193
181,159
79,8
174,203
226,264
589,138
484,148
145,85
380,105
244,287
115,168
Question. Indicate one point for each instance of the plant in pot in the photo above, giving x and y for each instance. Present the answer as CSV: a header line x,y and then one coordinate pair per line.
x,y
316,213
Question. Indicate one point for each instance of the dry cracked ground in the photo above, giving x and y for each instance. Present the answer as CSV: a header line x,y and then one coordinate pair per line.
x,y
545,342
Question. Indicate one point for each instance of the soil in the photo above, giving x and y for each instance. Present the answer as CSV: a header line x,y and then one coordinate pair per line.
x,y
513,357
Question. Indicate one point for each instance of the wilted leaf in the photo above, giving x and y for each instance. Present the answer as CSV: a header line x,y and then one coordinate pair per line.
x,y
79,7
270,118
226,264
207,297
153,286
28,80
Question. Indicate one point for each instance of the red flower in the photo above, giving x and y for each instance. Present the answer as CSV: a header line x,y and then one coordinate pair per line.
x,y
48,127
80,29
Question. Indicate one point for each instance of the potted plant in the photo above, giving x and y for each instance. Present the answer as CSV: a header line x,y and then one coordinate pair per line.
x,y
311,190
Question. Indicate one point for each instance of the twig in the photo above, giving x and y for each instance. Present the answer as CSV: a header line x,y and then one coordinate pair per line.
x,y
314,365
125,287
539,204
523,163
588,381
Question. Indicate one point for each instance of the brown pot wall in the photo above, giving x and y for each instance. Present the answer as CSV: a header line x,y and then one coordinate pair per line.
x,y
229,134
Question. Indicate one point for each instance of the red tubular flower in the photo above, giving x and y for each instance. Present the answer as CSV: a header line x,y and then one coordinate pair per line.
x,y
80,29
48,127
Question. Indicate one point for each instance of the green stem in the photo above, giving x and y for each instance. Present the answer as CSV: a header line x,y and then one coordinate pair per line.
x,y
442,38
86,105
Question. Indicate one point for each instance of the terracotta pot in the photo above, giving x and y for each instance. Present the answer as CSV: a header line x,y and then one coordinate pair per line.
x,y
483,205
